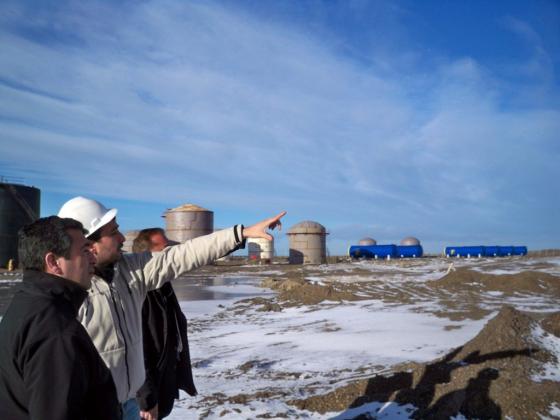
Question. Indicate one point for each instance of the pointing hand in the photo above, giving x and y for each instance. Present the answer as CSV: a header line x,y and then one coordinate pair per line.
x,y
258,230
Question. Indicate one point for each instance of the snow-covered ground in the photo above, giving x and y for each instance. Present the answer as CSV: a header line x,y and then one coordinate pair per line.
x,y
237,349
296,348
311,349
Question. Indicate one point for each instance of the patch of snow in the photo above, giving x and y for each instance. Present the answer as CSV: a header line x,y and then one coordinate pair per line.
x,y
378,410
198,308
554,411
551,370
237,289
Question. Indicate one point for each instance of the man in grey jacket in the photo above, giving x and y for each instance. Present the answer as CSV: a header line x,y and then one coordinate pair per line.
x,y
112,311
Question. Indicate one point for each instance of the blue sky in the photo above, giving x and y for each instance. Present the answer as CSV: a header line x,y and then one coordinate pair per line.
x,y
386,119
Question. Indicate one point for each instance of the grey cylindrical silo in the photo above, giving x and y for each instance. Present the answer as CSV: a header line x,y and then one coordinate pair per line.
x,y
367,241
19,206
129,237
308,243
187,222
410,241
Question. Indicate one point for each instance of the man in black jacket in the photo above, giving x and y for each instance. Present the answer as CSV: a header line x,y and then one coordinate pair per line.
x,y
49,367
166,349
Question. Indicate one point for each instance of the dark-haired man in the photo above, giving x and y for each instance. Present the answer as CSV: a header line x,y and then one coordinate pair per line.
x,y
49,367
112,312
166,348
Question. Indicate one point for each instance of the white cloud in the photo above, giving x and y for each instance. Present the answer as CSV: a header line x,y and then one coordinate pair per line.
x,y
167,100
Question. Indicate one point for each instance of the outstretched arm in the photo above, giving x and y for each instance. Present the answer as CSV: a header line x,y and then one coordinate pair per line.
x,y
258,230
159,268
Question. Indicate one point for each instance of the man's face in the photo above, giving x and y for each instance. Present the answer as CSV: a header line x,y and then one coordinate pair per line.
x,y
79,267
158,241
107,249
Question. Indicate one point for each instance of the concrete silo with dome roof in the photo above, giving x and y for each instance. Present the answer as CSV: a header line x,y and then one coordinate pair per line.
x,y
308,244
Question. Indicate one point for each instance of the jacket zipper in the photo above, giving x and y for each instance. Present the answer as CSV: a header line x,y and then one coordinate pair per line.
x,y
123,336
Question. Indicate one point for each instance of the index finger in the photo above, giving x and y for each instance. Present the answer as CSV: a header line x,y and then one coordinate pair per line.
x,y
280,215
275,221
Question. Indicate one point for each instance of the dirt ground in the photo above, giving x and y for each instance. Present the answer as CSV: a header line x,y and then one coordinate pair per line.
x,y
500,373
494,375
487,377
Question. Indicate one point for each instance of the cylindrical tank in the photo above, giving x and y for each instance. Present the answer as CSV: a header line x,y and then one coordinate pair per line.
x,y
308,244
410,241
465,251
491,251
410,248
410,251
505,251
519,250
367,241
372,251
260,249
19,205
187,222
129,237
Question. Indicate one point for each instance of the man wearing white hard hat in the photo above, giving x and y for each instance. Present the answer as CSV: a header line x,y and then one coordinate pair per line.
x,y
112,312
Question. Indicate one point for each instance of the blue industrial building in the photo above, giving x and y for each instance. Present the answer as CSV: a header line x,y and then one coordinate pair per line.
x,y
484,251
409,248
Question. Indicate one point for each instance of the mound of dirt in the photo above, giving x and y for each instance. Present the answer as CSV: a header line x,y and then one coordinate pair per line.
x,y
282,285
551,324
491,376
524,282
300,292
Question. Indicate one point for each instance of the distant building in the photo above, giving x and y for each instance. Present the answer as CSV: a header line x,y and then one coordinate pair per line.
x,y
308,244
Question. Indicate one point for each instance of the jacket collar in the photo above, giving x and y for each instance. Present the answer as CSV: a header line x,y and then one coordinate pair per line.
x,y
106,273
48,284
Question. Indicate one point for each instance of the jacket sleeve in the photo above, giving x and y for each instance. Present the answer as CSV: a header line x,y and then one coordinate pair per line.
x,y
158,268
56,374
147,396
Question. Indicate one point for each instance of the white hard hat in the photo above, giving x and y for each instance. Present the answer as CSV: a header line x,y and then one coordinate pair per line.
x,y
90,213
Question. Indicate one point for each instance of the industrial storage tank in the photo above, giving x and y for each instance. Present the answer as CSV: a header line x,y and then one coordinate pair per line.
x,y
492,251
308,244
367,241
410,248
486,251
187,222
410,251
373,251
260,249
519,250
129,238
505,251
19,206
465,251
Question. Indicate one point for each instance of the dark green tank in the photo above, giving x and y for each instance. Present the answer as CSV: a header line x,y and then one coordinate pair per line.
x,y
19,205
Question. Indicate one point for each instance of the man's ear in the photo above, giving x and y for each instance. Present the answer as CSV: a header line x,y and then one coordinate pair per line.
x,y
51,264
